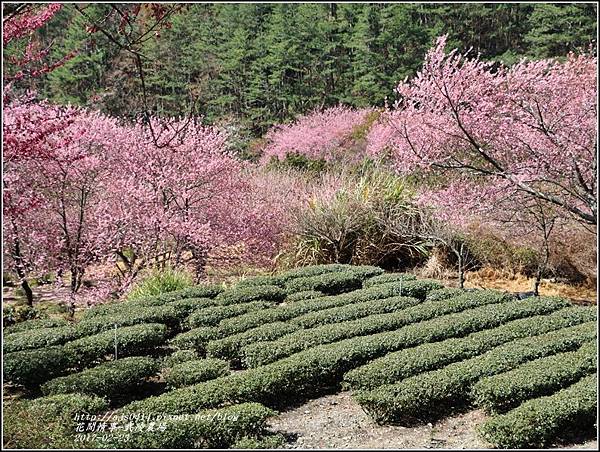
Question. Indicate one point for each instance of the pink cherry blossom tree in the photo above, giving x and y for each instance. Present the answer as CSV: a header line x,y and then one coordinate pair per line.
x,y
530,128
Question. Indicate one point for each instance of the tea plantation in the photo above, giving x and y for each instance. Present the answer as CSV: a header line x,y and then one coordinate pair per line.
x,y
208,366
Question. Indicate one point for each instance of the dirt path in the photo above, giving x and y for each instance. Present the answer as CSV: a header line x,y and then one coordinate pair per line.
x,y
336,421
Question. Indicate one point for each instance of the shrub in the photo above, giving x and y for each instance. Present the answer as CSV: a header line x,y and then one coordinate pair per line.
x,y
536,422
200,291
329,283
237,295
272,441
304,295
37,338
135,315
534,379
207,429
405,363
444,294
32,367
213,315
417,289
229,347
47,422
312,370
35,324
196,371
364,272
195,339
178,357
186,306
106,380
159,282
354,311
268,280
16,314
128,340
313,270
388,278
255,355
431,392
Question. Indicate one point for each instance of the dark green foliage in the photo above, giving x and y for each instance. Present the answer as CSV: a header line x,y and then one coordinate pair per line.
x,y
313,270
134,315
110,379
329,283
536,422
254,281
47,422
38,338
201,291
388,278
272,441
258,354
32,367
35,324
237,295
354,311
312,370
534,379
195,339
129,340
178,357
417,289
428,393
196,371
229,347
304,295
445,293
213,315
364,272
405,363
207,429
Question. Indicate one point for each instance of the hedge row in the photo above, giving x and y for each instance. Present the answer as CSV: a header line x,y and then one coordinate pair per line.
x,y
213,315
328,283
534,379
178,357
405,363
388,278
268,352
444,294
313,270
536,422
106,380
365,272
196,371
229,347
284,313
200,291
134,315
354,311
33,367
38,338
130,340
304,295
237,295
320,367
270,441
428,393
207,429
263,280
195,339
35,324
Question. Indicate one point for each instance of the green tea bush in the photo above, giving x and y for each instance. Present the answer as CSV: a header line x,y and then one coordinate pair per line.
x,y
159,282
536,422
35,324
417,289
329,283
195,339
430,392
412,361
313,270
268,280
47,422
534,379
33,367
196,371
210,429
38,338
135,315
444,294
312,370
186,306
130,340
304,295
178,357
106,380
364,272
354,311
229,347
213,315
199,291
388,278
271,441
267,352
237,295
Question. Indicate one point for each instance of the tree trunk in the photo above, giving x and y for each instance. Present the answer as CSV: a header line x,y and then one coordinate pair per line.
x,y
461,273
28,292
